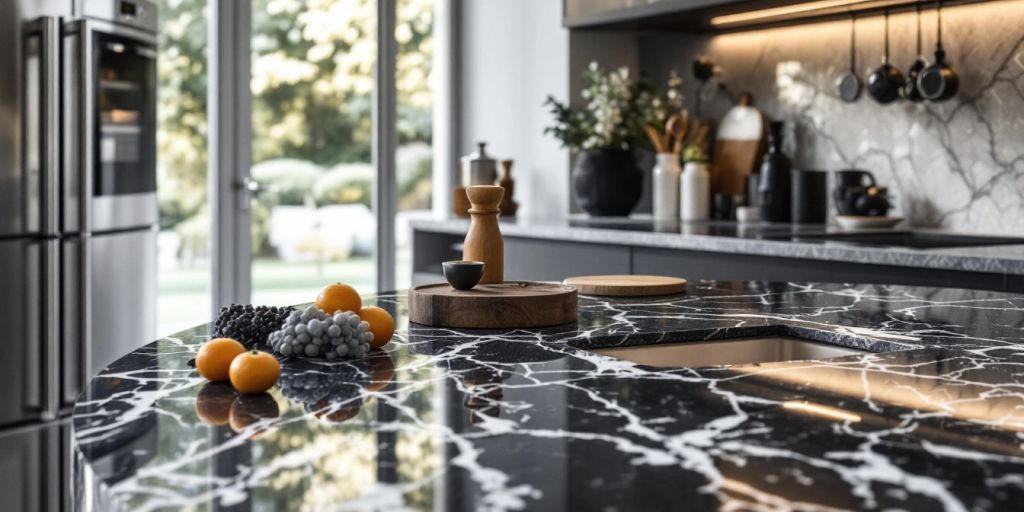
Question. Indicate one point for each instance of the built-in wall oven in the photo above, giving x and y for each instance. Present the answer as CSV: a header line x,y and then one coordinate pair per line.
x,y
78,209
110,81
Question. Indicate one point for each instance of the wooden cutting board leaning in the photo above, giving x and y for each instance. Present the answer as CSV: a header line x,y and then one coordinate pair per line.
x,y
738,148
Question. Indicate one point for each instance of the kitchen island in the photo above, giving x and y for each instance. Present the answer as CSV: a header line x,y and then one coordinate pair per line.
x,y
928,418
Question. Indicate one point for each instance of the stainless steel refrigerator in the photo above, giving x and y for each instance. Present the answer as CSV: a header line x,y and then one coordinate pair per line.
x,y
78,208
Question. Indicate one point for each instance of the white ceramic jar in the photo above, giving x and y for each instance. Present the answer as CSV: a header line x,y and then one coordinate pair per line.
x,y
666,186
695,192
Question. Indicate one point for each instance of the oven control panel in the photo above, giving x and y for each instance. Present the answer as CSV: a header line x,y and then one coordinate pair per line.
x,y
140,14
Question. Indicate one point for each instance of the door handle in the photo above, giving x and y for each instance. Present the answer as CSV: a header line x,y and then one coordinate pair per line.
x,y
251,188
254,187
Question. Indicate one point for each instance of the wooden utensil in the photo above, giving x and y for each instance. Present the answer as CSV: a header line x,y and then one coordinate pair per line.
x,y
627,285
739,147
655,138
483,240
675,131
493,306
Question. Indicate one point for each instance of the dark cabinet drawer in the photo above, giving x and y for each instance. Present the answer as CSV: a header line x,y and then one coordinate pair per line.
x,y
696,265
550,260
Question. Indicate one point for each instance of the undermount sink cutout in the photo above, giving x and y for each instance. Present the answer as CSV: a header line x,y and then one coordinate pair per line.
x,y
728,352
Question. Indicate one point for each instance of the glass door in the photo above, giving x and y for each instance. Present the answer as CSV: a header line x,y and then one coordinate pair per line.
x,y
312,220
325,147
183,243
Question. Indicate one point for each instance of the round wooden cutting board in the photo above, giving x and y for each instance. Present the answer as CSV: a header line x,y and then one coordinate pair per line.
x,y
515,304
627,286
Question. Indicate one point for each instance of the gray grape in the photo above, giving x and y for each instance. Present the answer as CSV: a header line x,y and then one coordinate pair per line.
x,y
310,332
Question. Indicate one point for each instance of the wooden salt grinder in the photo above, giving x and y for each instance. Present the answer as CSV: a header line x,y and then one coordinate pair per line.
x,y
483,240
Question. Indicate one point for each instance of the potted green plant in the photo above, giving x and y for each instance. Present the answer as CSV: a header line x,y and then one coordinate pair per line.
x,y
604,133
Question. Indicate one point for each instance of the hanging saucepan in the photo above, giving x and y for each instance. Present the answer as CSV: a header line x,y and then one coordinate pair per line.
x,y
849,85
885,83
938,82
910,90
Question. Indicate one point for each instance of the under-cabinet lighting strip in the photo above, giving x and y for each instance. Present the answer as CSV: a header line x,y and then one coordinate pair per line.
x,y
774,12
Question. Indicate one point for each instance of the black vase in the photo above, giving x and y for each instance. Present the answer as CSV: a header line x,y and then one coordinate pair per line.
x,y
607,182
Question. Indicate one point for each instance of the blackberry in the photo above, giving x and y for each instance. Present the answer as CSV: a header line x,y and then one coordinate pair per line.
x,y
250,325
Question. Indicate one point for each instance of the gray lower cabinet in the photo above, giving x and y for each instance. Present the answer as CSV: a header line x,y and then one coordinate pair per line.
x,y
696,265
554,260
35,468
720,266
548,260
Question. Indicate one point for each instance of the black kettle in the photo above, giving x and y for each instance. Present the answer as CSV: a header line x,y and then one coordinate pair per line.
x,y
776,182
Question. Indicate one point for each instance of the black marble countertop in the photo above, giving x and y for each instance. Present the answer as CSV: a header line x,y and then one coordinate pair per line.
x,y
803,241
932,418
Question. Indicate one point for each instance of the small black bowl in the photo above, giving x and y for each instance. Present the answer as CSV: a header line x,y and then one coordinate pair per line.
x,y
462,274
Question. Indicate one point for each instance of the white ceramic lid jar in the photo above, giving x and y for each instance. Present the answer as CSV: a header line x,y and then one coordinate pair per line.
x,y
478,168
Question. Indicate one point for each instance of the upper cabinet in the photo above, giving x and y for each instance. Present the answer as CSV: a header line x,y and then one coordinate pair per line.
x,y
719,15
664,14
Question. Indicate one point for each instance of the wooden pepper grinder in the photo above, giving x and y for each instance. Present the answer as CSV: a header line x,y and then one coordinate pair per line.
x,y
508,206
483,241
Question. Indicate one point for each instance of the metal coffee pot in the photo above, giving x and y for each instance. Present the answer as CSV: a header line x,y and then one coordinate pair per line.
x,y
478,168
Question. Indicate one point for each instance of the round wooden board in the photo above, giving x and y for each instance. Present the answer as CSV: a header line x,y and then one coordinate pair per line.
x,y
514,304
627,286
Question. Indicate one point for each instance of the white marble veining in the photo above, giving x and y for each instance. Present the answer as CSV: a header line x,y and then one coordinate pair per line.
x,y
956,165
519,419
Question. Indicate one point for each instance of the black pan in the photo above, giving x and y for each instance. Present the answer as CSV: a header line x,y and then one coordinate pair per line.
x,y
885,83
938,82
910,90
849,85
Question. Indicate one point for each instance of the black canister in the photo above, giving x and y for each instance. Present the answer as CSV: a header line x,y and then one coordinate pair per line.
x,y
753,195
775,186
810,197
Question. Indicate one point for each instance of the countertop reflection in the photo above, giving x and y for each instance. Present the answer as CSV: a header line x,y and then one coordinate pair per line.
x,y
929,418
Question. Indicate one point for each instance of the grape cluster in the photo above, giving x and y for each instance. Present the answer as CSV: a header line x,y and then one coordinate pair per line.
x,y
313,333
250,325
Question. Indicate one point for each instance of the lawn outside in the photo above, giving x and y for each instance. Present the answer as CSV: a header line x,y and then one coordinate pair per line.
x,y
183,299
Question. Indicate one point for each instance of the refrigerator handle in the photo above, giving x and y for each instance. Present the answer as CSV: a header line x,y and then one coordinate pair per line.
x,y
44,146
85,313
76,322
50,138
79,82
51,327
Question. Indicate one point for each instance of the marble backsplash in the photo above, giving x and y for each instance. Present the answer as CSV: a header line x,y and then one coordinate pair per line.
x,y
956,165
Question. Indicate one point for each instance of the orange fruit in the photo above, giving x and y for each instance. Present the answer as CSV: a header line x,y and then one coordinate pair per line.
x,y
254,372
338,297
249,409
381,324
213,403
327,413
215,356
382,369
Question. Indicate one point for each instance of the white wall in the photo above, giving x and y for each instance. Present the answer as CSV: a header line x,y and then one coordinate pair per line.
x,y
513,54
